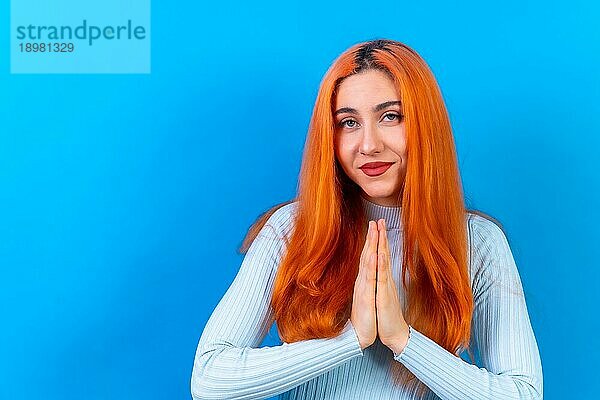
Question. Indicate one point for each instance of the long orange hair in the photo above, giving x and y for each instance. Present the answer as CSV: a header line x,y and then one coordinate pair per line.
x,y
313,289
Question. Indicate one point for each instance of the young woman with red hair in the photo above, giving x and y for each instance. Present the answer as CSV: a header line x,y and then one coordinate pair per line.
x,y
377,275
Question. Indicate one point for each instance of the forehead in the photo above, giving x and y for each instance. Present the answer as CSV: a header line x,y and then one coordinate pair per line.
x,y
364,89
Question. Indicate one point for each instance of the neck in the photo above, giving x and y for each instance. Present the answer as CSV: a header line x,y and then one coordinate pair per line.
x,y
374,212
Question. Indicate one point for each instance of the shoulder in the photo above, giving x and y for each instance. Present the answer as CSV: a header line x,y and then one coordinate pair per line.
x,y
490,254
486,235
281,221
285,212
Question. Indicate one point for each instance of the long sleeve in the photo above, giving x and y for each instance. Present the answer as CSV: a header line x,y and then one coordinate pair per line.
x,y
501,330
228,364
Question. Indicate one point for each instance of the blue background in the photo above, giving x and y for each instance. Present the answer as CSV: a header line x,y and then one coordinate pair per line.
x,y
123,198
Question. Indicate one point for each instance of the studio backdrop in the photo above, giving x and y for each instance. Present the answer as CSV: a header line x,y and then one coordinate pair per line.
x,y
139,142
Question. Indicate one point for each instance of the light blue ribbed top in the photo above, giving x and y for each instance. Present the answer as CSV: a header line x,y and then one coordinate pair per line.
x,y
228,363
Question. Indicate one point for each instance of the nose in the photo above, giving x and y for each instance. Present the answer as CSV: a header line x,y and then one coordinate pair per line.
x,y
370,141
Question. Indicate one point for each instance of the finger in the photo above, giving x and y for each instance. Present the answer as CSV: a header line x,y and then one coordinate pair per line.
x,y
385,241
365,249
373,239
381,240
365,254
386,250
382,275
372,271
366,285
371,245
373,249
383,261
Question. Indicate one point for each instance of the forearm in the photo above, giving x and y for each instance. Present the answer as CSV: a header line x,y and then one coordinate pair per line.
x,y
222,371
452,378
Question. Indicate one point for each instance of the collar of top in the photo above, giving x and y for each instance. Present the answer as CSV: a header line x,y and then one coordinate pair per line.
x,y
374,212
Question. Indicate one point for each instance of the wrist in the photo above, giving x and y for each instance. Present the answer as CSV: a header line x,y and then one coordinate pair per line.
x,y
398,345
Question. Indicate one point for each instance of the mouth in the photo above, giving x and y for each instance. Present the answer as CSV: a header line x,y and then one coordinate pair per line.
x,y
376,168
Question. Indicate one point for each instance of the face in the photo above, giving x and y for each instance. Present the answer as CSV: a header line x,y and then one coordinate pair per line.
x,y
370,129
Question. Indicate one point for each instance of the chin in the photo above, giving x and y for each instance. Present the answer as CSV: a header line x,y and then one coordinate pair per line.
x,y
378,192
385,193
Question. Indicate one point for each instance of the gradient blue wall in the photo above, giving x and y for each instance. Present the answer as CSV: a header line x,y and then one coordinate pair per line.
x,y
123,198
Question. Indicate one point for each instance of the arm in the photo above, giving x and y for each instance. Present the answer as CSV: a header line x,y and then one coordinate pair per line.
x,y
228,364
501,331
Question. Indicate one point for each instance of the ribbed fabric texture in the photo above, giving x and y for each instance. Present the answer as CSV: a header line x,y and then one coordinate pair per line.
x,y
228,363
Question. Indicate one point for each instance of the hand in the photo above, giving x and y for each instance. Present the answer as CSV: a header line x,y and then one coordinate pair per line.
x,y
363,315
391,325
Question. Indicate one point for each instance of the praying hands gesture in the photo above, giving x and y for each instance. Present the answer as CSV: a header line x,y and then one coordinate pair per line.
x,y
376,308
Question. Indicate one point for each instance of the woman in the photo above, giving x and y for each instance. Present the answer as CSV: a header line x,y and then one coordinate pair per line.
x,y
377,276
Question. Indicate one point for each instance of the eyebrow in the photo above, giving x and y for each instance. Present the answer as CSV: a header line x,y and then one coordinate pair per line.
x,y
377,108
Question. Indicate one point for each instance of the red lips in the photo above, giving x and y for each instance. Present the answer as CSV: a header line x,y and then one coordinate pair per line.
x,y
375,164
375,168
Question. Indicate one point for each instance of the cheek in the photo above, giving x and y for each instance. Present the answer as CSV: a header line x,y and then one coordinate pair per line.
x,y
399,146
401,151
345,157
345,145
